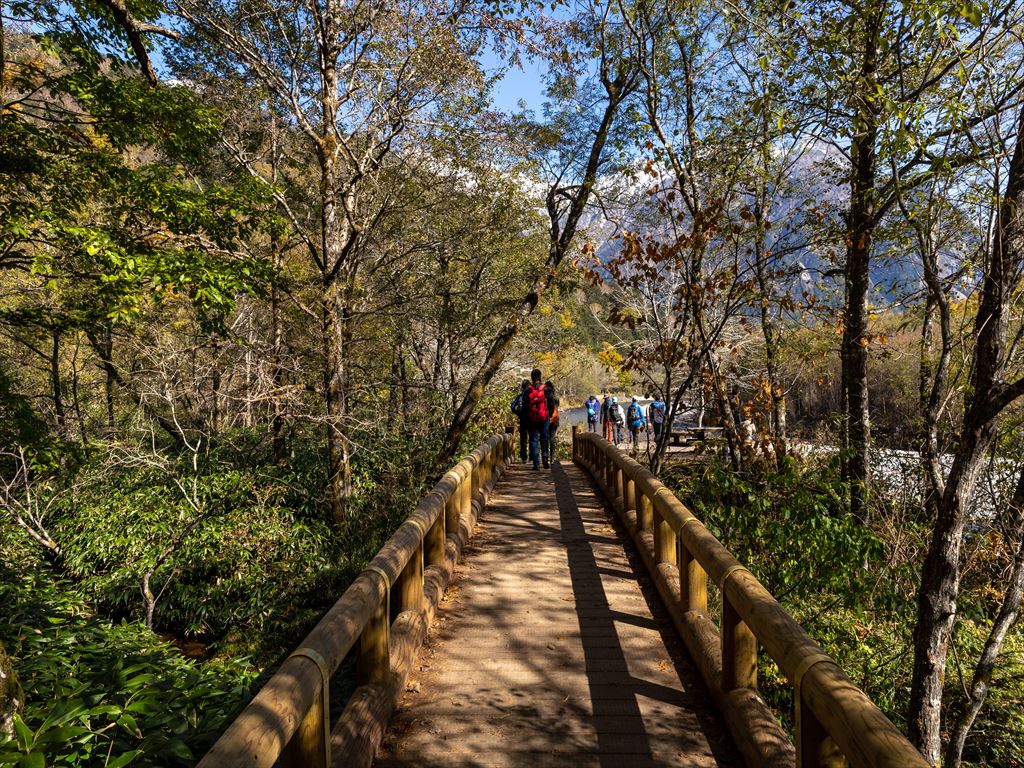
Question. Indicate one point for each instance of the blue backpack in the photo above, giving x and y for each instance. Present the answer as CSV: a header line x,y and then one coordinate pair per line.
x,y
658,412
592,407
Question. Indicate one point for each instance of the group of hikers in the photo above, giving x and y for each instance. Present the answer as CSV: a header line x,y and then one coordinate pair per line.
x,y
615,420
536,406
537,409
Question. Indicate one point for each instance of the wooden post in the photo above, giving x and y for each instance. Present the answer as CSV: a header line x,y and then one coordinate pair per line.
x,y
575,454
693,583
467,498
433,552
309,744
664,540
645,513
453,509
475,488
739,650
629,498
814,748
373,664
410,583
618,491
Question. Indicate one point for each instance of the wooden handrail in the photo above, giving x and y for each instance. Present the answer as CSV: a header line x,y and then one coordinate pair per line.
x,y
289,718
836,723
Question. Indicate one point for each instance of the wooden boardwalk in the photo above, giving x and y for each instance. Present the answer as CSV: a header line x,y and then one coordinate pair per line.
x,y
496,685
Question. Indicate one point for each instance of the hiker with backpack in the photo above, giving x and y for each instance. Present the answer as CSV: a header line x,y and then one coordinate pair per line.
x,y
656,413
593,406
607,422
618,419
522,412
549,390
539,409
635,421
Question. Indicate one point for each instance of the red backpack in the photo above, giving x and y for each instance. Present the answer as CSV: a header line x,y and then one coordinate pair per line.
x,y
538,405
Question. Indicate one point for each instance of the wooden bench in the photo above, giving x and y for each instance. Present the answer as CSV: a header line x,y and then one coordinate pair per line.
x,y
691,435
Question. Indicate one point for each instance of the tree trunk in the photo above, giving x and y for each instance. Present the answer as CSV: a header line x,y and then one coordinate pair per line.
x,y
12,697
109,377
860,229
280,446
729,414
76,400
989,396
772,339
855,316
215,392
1005,619
334,397
57,387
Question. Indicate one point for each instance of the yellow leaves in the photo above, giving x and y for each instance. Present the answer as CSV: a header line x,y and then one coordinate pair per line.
x,y
610,357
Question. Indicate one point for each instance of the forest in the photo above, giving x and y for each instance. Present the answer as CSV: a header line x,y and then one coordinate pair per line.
x,y
268,268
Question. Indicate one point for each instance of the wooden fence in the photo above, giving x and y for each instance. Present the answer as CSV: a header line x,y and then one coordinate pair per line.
x,y
384,616
836,723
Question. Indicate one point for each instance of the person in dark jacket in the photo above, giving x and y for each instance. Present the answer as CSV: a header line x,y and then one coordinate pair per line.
x,y
607,425
522,411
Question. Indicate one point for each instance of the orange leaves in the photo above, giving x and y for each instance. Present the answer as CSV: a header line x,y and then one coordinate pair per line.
x,y
880,339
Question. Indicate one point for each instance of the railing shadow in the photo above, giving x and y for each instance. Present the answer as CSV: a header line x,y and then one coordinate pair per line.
x,y
599,622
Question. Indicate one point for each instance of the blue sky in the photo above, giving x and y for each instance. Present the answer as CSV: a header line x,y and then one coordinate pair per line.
x,y
518,84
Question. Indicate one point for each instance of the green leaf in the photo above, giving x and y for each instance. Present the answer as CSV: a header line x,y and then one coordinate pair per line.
x,y
127,722
23,733
123,759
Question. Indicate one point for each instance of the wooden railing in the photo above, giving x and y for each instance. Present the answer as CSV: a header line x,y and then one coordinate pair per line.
x,y
384,615
836,723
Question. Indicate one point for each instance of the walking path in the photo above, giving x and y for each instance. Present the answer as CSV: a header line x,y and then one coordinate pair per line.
x,y
495,686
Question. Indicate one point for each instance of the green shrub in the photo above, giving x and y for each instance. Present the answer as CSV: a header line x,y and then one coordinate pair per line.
x,y
789,526
104,693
